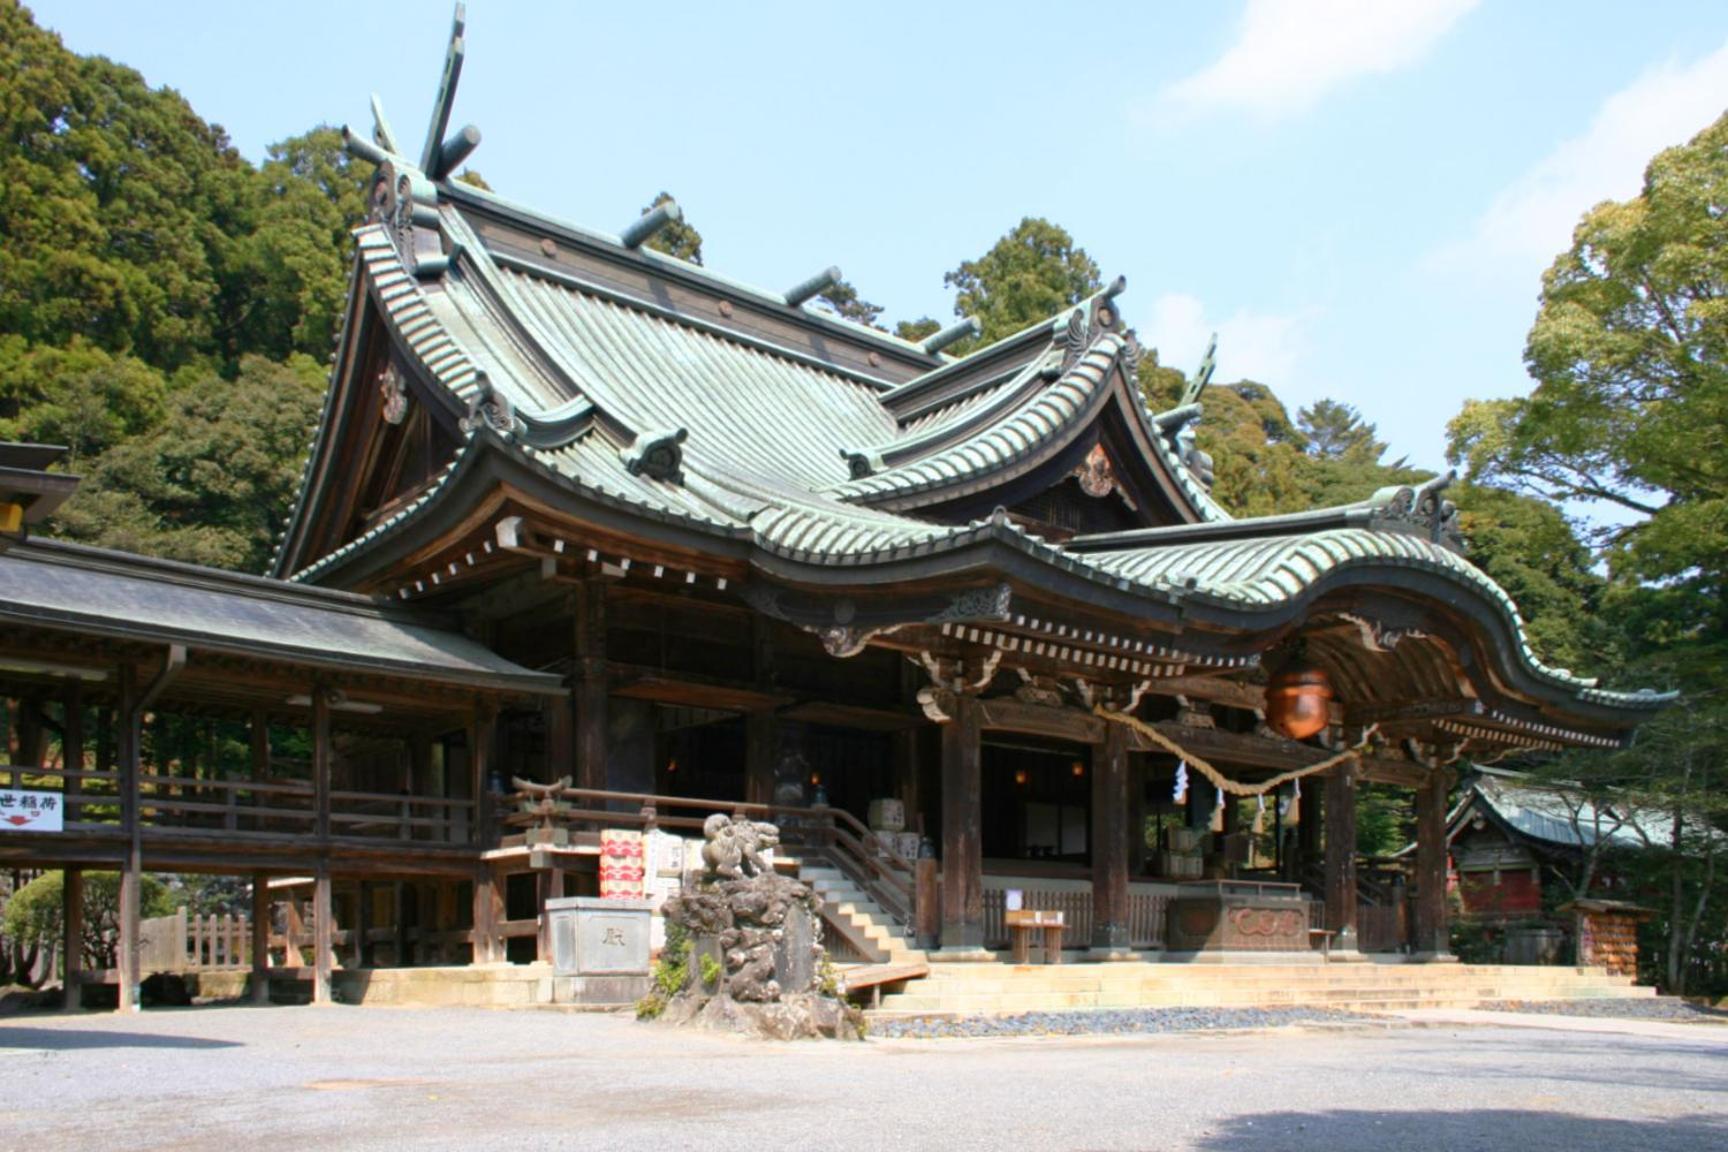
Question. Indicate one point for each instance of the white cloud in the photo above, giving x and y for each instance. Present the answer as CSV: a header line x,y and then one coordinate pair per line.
x,y
1532,219
1263,346
1290,53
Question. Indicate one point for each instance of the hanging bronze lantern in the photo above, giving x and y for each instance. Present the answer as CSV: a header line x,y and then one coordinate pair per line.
x,y
1296,699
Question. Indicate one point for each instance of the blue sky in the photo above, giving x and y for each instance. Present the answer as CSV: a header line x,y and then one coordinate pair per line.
x,y
1359,195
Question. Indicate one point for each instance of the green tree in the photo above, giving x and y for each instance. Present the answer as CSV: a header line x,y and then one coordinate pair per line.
x,y
1332,430
1029,275
1630,402
212,484
290,272
678,239
78,395
845,301
119,207
33,914
917,330
1632,385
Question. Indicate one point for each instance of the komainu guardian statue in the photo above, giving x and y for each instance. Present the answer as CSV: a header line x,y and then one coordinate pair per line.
x,y
744,946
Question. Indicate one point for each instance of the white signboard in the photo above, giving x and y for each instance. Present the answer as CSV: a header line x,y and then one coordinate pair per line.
x,y
22,811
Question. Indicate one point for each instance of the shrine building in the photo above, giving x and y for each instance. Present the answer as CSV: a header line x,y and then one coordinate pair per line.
x,y
576,508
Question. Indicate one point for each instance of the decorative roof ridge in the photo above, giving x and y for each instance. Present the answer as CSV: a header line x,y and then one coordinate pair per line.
x,y
1051,412
1050,328
613,247
1033,334
563,279
1021,385
1405,508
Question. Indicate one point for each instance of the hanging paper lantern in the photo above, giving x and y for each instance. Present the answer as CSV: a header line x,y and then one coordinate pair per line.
x,y
1296,700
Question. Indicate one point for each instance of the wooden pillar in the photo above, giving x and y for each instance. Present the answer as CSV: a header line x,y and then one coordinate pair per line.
x,y
362,925
323,936
1432,935
321,767
1341,856
72,941
1310,817
761,729
488,902
482,739
1110,842
590,687
962,822
72,747
131,872
550,882
560,738
761,750
1137,769
260,938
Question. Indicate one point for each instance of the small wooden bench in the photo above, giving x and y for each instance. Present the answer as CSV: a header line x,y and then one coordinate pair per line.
x,y
1322,936
1023,923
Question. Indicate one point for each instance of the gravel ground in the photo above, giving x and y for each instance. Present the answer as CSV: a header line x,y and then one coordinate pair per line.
x,y
1655,1008
1107,1022
374,1078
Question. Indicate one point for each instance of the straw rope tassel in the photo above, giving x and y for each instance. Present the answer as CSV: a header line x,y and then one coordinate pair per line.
x,y
1218,813
1293,814
1260,814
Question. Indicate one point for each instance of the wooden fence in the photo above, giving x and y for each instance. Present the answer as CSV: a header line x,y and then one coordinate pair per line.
x,y
187,943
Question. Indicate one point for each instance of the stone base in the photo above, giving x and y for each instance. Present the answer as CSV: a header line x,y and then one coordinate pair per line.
x,y
1113,956
962,956
803,1016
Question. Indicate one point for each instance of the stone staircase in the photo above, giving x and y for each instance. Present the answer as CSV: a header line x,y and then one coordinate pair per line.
x,y
861,921
965,989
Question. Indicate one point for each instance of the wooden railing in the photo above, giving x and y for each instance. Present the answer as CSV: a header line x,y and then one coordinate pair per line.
x,y
245,808
830,834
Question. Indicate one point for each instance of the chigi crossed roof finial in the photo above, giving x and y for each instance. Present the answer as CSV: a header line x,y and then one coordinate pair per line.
x,y
439,155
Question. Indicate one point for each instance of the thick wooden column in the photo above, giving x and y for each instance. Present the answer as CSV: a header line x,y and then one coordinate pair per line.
x,y
323,936
962,824
761,729
321,765
590,685
362,925
488,912
260,938
131,872
72,940
1341,856
72,747
761,751
1432,934
1110,842
482,740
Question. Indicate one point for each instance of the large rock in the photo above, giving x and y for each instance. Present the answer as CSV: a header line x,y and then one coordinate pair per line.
x,y
755,961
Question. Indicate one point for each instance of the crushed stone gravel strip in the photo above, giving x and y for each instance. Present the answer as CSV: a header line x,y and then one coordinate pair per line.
x,y
1657,1008
1106,1022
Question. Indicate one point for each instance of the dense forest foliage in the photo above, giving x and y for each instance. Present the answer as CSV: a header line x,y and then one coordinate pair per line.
x,y
166,309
